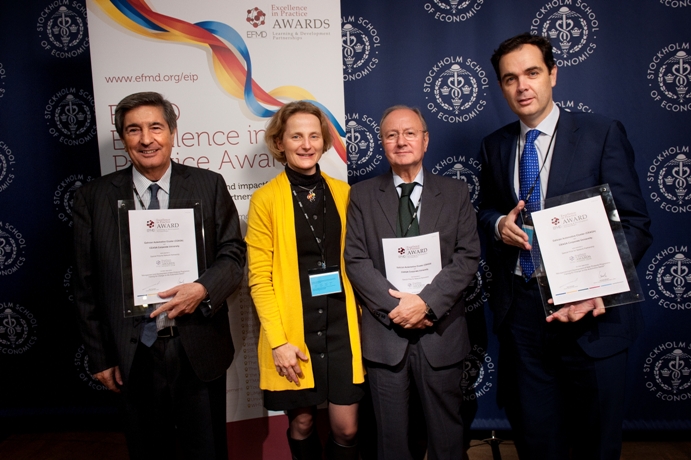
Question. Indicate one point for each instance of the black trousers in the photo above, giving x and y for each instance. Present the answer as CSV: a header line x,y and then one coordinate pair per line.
x,y
561,403
440,394
168,411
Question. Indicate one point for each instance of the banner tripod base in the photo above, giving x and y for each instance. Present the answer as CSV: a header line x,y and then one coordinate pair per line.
x,y
494,442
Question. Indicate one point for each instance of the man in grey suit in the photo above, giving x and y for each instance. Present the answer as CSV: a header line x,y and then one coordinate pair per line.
x,y
412,339
170,370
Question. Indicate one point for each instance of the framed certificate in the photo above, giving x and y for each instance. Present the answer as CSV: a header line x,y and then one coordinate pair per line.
x,y
159,249
580,251
413,262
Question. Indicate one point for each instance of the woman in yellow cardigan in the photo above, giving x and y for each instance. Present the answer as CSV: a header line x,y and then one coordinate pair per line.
x,y
309,342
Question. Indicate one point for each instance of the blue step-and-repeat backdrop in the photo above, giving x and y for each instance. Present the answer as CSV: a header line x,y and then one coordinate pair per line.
x,y
626,60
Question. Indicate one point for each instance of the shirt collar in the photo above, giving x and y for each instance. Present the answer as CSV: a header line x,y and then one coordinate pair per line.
x,y
141,183
546,126
419,178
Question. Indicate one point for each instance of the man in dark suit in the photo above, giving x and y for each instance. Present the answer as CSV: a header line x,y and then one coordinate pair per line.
x,y
412,339
561,378
170,370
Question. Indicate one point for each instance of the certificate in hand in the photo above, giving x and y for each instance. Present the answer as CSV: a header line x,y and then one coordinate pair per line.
x,y
413,262
164,252
159,249
583,251
579,251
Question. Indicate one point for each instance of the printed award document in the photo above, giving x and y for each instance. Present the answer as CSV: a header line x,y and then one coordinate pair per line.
x,y
579,252
163,250
413,262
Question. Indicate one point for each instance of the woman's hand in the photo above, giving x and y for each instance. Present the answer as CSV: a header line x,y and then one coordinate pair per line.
x,y
287,360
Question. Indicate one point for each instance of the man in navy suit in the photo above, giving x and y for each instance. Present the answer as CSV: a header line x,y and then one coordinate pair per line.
x,y
171,372
561,378
412,340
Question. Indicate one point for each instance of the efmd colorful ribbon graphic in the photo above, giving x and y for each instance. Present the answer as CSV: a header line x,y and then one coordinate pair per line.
x,y
233,76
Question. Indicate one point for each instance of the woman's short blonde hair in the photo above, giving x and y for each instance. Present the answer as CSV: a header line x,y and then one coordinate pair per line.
x,y
277,126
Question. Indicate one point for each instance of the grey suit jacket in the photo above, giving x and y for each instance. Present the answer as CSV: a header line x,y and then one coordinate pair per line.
x,y
109,337
372,215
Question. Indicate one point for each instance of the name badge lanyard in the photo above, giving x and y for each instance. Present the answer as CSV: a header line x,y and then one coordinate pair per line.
x,y
139,198
525,214
414,215
322,263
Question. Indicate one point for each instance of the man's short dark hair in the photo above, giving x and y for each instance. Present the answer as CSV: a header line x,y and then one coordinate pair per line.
x,y
148,98
513,43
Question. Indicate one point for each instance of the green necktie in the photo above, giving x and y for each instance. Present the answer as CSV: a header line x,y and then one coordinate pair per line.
x,y
407,225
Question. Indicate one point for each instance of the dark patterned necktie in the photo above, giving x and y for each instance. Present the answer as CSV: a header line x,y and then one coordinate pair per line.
x,y
149,332
407,226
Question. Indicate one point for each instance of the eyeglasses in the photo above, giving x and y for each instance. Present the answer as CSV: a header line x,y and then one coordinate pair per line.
x,y
408,134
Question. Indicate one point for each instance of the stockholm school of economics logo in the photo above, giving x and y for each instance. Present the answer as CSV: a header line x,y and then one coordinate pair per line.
x,y
17,329
669,278
478,373
667,371
673,277
12,246
457,86
360,41
81,363
674,75
671,69
364,151
453,10
62,29
477,292
670,173
569,30
63,197
464,169
72,113
6,166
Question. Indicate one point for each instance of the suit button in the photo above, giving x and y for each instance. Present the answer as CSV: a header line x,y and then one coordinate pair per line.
x,y
133,340
319,333
321,310
322,355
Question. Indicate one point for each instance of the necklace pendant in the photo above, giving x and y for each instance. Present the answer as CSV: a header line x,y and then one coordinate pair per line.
x,y
311,196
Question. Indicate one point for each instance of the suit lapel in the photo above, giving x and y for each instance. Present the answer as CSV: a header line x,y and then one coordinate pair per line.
x,y
122,190
179,189
431,205
564,154
507,149
388,200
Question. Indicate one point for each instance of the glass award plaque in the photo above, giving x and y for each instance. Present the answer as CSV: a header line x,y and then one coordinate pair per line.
x,y
159,249
580,251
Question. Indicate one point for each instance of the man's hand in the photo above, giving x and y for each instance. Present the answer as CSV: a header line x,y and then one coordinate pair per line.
x,y
110,378
572,312
410,312
511,233
287,360
185,299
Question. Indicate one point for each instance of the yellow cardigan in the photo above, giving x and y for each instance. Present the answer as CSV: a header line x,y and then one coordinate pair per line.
x,y
275,283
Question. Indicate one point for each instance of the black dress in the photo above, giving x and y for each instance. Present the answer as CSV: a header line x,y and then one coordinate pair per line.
x,y
324,317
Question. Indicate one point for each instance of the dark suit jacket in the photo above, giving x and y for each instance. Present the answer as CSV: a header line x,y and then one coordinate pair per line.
x,y
110,338
372,215
589,150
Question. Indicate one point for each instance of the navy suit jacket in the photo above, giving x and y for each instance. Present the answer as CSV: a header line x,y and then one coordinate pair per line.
x,y
373,215
589,150
110,338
